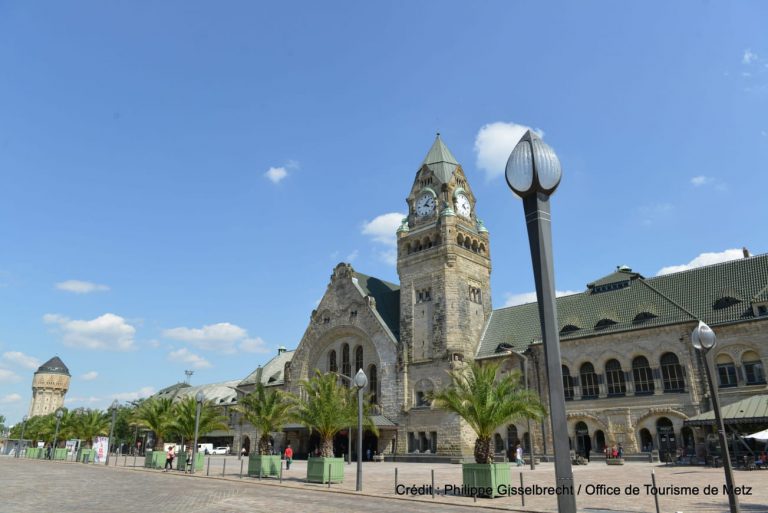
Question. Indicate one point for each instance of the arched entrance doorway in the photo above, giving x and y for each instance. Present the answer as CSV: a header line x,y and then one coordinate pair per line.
x,y
247,444
498,444
646,441
583,443
666,435
599,440
686,438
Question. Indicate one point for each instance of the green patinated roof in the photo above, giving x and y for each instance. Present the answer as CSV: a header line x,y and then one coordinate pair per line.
x,y
440,160
271,373
751,410
624,300
387,296
54,366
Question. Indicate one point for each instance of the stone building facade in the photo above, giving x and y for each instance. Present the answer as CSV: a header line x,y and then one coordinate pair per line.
x,y
49,386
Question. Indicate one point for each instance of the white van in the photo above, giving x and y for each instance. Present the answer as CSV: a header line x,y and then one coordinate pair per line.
x,y
205,448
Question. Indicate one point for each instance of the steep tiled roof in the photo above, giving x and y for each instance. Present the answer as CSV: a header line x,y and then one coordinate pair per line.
x,y
387,296
624,300
54,366
440,161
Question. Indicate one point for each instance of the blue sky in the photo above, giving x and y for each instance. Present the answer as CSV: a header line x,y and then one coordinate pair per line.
x,y
178,179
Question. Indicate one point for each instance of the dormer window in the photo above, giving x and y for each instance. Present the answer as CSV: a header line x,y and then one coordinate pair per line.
x,y
569,328
604,323
643,317
725,302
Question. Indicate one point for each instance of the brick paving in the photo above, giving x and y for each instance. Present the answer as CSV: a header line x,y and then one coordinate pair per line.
x,y
40,486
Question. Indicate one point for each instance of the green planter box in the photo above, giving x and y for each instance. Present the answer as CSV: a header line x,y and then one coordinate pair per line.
x,y
34,452
154,459
324,470
60,454
486,477
182,461
85,455
268,465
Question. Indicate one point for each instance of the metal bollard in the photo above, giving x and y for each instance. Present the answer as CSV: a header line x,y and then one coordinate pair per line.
x,y
433,483
241,469
329,476
474,486
522,495
395,478
281,471
208,469
655,497
260,469
125,460
224,470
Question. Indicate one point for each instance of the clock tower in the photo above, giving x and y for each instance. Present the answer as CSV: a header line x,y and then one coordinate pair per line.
x,y
445,294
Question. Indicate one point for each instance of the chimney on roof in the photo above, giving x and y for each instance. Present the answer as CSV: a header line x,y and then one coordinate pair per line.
x,y
281,350
746,252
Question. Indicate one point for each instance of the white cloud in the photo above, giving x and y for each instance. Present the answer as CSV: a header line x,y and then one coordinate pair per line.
x,y
253,345
81,287
700,180
530,297
8,376
493,144
132,396
222,337
382,228
276,174
749,57
183,355
89,376
108,332
10,398
22,360
83,400
704,259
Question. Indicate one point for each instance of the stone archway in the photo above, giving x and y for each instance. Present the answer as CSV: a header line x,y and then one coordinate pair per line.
x,y
247,445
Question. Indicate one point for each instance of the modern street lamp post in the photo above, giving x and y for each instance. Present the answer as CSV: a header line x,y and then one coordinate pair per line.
x,y
361,380
703,339
113,408
533,172
23,427
59,414
199,397
525,378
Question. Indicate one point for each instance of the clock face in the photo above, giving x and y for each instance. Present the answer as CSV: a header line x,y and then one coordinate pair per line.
x,y
462,205
425,205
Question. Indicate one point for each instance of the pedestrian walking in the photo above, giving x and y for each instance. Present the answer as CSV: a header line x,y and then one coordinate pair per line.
x,y
519,455
288,457
169,455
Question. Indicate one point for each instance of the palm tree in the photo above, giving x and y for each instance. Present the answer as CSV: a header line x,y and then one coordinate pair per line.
x,y
91,423
183,418
328,407
486,402
266,411
156,414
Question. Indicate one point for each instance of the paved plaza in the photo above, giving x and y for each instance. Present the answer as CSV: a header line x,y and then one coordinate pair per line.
x,y
61,487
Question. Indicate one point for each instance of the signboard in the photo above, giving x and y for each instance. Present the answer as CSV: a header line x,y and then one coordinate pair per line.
x,y
100,448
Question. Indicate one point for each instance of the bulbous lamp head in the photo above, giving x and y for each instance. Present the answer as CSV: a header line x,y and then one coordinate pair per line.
x,y
199,397
59,414
361,379
703,338
115,405
533,167
24,418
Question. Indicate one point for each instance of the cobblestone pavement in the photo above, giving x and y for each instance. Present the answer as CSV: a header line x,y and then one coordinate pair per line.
x,y
40,486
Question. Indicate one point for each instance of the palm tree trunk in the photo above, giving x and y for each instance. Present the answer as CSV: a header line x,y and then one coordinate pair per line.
x,y
483,450
326,448
264,444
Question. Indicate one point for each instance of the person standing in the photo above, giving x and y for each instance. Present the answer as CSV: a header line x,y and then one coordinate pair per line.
x,y
169,455
288,457
519,455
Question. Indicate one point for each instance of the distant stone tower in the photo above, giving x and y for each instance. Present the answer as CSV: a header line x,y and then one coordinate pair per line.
x,y
49,386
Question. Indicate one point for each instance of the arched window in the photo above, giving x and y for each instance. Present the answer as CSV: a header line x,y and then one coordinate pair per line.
x,y
358,358
726,371
498,443
567,384
753,368
345,368
373,384
672,373
614,377
589,388
332,366
642,376
512,438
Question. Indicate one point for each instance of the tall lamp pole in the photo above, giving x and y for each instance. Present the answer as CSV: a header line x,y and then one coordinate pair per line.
x,y
703,339
361,380
113,409
525,378
199,397
533,172
23,427
59,414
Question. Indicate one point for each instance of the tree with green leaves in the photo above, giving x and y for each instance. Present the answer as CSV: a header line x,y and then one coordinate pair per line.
x,y
486,401
267,411
327,407
183,418
89,424
156,414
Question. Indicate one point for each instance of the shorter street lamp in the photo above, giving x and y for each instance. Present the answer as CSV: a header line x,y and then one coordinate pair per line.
x,y
199,397
361,380
113,409
21,442
59,414
703,339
